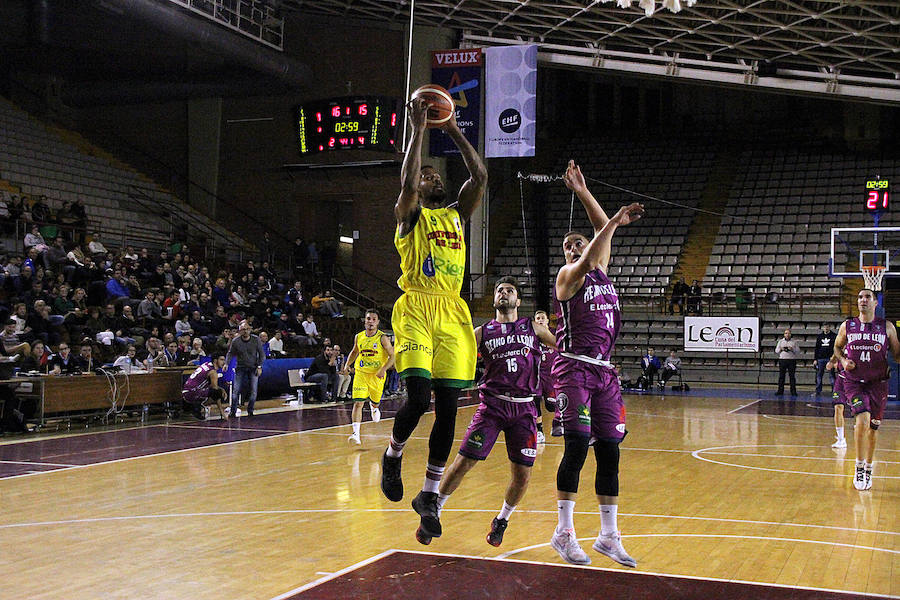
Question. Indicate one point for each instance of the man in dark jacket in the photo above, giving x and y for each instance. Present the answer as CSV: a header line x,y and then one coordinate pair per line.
x,y
824,351
322,371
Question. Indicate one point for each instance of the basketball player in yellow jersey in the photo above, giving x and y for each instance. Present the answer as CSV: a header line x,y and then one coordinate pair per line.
x,y
371,357
435,343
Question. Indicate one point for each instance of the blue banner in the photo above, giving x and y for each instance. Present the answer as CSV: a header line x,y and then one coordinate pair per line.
x,y
510,101
460,72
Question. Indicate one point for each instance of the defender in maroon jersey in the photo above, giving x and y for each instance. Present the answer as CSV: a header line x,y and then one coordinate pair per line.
x,y
861,348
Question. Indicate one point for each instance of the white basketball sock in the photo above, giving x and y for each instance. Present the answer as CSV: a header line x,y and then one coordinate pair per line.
x,y
566,509
355,429
840,432
506,511
608,520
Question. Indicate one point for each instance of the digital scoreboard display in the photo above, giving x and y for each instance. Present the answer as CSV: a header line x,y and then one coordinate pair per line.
x,y
352,122
877,195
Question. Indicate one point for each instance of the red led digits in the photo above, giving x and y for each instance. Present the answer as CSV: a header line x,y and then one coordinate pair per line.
x,y
363,109
336,111
393,119
318,116
872,203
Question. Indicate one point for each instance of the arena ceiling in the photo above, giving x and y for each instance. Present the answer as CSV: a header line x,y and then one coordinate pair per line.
x,y
839,47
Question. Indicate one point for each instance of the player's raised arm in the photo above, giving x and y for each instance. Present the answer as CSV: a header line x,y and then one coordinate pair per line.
x,y
472,191
574,180
596,253
410,173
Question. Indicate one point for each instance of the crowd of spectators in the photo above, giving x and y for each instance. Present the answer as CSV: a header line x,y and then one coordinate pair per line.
x,y
141,309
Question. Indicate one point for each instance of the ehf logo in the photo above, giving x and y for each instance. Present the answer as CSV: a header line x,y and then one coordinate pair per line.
x,y
510,120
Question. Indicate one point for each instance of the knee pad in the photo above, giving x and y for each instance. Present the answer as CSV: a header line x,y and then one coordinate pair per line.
x,y
874,424
569,471
607,455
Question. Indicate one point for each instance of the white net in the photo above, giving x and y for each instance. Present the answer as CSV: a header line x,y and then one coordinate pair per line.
x,y
873,275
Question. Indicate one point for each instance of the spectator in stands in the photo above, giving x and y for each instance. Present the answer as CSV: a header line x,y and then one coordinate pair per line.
x,y
40,210
16,208
35,240
650,366
197,352
40,324
36,359
183,325
294,298
322,372
129,363
695,295
63,363
266,249
148,311
154,355
679,292
788,350
85,359
327,305
221,294
264,338
20,315
96,247
172,356
11,343
276,345
671,368
341,382
299,254
66,220
824,352
309,330
117,287
248,350
79,216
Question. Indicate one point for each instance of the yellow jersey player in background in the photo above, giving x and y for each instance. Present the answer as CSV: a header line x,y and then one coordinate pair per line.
x,y
371,357
435,342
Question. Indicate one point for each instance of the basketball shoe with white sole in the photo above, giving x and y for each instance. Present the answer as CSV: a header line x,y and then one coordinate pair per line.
x,y
376,412
841,443
566,544
354,439
859,478
868,478
611,546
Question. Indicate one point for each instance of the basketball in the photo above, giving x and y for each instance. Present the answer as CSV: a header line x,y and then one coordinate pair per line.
x,y
442,105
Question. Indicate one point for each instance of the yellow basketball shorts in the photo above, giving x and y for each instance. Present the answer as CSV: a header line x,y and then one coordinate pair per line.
x,y
434,338
366,386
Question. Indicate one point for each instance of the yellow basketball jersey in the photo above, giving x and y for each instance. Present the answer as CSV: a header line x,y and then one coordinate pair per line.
x,y
433,254
372,354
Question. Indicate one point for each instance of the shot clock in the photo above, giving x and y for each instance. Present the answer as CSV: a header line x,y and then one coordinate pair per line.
x,y
353,122
877,195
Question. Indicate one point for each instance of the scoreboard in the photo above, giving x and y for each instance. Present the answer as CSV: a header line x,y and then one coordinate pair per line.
x,y
352,122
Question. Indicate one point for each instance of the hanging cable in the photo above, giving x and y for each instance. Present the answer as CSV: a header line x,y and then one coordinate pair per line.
x,y
528,269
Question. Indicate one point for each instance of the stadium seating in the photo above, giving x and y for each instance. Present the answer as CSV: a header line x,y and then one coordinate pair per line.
x,y
42,160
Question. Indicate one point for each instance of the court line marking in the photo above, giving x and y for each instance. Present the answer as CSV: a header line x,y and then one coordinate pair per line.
x,y
334,575
829,458
696,454
255,439
718,535
26,462
758,400
289,511
650,573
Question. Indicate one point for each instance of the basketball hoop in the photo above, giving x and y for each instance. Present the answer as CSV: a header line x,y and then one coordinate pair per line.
x,y
872,275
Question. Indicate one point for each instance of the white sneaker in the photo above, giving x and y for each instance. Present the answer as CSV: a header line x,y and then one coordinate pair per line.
x,y
237,412
868,480
841,443
354,439
567,545
540,437
611,546
859,478
376,412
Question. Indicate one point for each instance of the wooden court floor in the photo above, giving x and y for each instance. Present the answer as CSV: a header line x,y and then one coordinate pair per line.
x,y
708,490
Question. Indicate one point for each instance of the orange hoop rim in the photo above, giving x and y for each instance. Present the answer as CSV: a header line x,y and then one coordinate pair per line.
x,y
872,269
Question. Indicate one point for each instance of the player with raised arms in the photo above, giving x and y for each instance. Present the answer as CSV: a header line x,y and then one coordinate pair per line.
x,y
587,388
861,348
511,348
434,339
